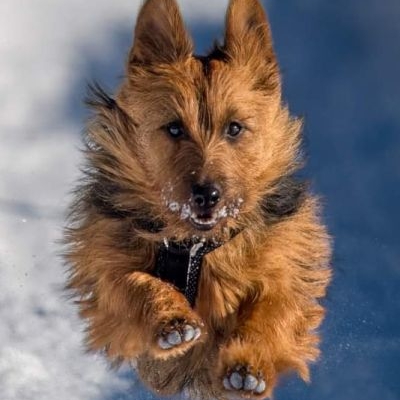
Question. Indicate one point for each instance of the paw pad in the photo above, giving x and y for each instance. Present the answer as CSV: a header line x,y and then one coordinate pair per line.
x,y
176,333
240,378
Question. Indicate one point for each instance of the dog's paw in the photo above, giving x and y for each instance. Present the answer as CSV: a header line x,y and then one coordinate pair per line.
x,y
242,380
176,333
245,370
178,336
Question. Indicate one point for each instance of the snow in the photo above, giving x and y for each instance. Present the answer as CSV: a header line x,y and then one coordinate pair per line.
x,y
340,61
186,211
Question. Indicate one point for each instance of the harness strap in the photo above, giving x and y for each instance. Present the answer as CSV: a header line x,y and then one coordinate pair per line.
x,y
180,263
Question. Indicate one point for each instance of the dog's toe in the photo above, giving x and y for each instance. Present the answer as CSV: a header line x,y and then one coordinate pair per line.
x,y
163,344
174,338
242,379
236,381
261,387
250,383
176,333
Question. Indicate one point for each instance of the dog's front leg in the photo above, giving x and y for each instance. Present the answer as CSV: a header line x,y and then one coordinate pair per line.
x,y
274,335
138,313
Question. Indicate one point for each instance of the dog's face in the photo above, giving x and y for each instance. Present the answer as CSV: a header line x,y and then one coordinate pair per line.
x,y
210,132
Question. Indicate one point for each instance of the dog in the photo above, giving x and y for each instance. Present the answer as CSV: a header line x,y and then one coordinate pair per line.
x,y
195,252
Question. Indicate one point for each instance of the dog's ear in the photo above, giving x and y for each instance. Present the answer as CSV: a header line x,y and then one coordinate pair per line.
x,y
247,34
160,34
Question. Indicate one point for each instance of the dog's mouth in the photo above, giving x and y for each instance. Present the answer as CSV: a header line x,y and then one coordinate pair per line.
x,y
200,219
207,220
204,221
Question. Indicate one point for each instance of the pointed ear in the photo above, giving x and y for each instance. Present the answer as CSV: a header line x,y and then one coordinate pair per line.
x,y
247,32
160,34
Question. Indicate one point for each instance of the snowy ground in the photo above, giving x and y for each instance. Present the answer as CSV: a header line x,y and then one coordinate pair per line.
x,y
340,62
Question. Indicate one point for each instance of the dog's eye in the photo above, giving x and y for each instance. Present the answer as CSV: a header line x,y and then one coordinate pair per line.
x,y
234,129
175,129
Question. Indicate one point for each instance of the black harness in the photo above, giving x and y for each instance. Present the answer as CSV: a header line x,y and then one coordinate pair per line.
x,y
179,263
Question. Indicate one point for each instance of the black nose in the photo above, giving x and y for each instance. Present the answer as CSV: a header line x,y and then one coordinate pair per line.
x,y
206,196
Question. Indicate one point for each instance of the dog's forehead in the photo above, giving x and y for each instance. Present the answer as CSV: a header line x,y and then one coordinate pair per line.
x,y
215,90
204,92
207,93
217,75
224,93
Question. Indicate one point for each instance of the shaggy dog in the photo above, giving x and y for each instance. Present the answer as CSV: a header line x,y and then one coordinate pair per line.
x,y
194,251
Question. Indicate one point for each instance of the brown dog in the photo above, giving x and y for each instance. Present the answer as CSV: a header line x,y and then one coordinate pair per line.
x,y
193,250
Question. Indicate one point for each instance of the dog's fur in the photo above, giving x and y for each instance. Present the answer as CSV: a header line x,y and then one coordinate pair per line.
x,y
257,304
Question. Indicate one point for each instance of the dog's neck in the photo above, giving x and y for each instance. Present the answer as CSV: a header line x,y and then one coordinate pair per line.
x,y
180,263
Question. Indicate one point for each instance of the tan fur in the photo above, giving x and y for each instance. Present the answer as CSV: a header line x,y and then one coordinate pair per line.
x,y
258,297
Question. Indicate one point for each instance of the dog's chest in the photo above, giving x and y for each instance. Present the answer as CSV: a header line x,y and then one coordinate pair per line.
x,y
219,296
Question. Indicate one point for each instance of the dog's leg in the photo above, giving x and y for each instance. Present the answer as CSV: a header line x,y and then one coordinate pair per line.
x,y
137,313
274,337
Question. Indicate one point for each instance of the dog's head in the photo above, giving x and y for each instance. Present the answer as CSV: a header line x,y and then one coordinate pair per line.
x,y
197,142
